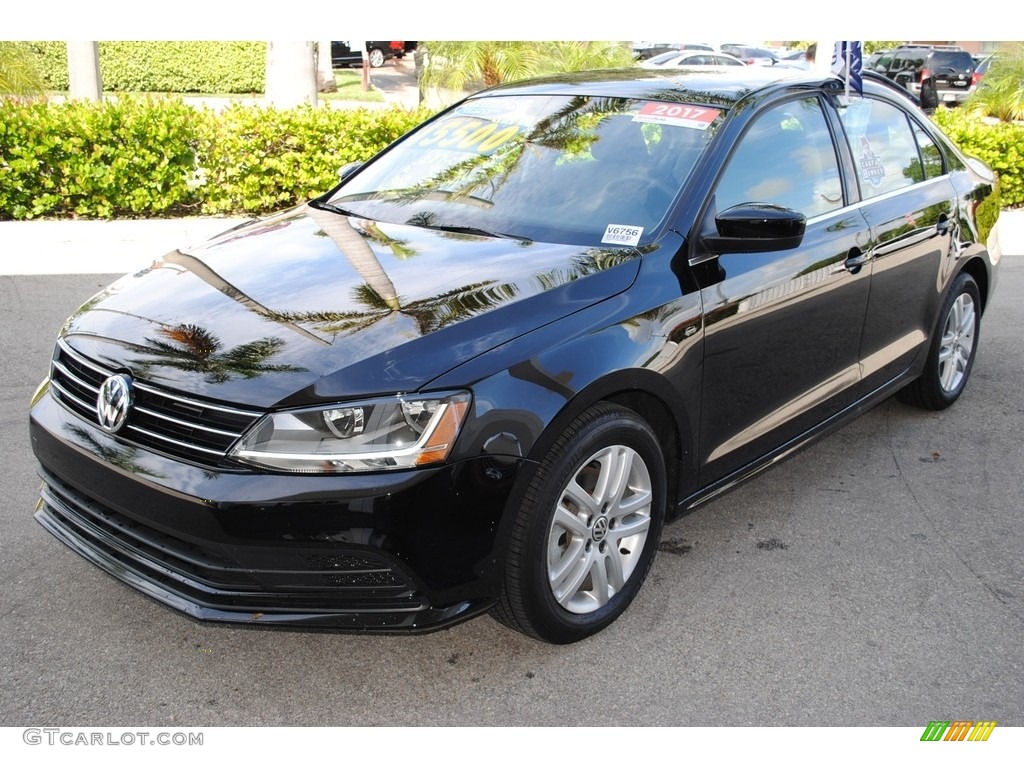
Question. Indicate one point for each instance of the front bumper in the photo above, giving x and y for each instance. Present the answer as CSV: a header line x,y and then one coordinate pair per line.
x,y
402,551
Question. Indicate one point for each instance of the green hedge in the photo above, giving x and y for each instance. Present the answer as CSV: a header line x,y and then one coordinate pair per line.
x,y
124,158
194,66
258,159
162,157
998,145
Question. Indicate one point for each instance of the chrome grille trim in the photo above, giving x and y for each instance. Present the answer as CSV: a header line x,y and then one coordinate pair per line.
x,y
172,441
64,394
196,403
191,425
160,419
71,375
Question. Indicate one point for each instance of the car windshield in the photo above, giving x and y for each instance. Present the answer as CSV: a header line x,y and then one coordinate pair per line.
x,y
569,169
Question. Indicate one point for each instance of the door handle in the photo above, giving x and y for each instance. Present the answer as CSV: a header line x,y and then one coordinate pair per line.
x,y
855,261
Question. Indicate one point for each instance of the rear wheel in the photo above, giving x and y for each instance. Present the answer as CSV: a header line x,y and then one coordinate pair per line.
x,y
376,57
952,351
586,533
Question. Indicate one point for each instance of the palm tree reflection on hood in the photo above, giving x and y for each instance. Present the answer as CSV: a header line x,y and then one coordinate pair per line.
x,y
194,349
430,313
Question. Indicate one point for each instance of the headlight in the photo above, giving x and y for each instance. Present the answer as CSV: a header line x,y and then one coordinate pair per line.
x,y
387,433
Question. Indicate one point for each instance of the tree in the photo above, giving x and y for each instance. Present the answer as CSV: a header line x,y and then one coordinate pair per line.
x,y
18,74
84,81
291,73
1001,93
456,66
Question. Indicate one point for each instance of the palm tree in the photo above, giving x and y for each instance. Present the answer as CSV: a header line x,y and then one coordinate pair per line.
x,y
1001,93
455,66
18,74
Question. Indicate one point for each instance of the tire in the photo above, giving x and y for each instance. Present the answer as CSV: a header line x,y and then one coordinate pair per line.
x,y
586,533
376,57
952,351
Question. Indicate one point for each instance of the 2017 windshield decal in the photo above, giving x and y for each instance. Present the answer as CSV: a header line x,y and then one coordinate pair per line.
x,y
688,115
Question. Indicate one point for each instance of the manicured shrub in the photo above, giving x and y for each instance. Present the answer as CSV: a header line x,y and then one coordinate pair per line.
x,y
162,157
190,66
258,159
126,158
998,145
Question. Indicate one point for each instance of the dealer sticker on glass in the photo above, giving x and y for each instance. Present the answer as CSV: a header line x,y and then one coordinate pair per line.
x,y
688,115
622,234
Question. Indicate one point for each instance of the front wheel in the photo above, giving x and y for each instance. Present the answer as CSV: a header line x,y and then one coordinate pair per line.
x,y
952,351
585,536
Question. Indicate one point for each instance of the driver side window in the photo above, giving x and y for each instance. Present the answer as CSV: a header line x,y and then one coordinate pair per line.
x,y
786,158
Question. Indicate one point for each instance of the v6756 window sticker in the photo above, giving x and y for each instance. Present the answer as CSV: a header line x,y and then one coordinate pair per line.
x,y
622,234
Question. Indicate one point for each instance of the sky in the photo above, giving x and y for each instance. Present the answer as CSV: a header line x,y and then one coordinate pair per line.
x,y
735,20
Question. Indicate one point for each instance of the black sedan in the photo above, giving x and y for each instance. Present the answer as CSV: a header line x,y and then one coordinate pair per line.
x,y
483,371
377,52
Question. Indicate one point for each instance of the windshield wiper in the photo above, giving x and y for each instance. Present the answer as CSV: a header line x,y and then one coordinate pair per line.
x,y
478,231
334,208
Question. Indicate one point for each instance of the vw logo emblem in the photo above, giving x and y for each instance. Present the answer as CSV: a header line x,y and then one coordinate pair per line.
x,y
114,400
600,529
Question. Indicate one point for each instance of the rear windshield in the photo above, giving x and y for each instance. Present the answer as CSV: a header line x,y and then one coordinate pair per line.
x,y
958,61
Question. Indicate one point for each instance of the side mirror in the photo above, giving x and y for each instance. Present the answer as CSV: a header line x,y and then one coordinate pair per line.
x,y
348,169
756,228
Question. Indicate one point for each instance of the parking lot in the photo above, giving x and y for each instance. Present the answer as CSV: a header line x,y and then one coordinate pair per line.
x,y
873,579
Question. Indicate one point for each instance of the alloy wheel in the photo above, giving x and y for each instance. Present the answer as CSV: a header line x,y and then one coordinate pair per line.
x,y
597,534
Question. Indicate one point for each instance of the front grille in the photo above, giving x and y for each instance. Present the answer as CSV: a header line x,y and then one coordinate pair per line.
x,y
186,427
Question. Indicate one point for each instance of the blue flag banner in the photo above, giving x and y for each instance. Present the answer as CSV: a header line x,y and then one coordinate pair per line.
x,y
848,63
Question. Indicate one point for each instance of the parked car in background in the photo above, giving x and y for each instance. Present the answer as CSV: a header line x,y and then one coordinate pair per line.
x,y
691,59
751,54
981,68
644,50
794,59
942,74
482,371
879,61
378,51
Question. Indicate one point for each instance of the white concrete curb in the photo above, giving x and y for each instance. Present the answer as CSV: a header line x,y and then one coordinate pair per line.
x,y
54,247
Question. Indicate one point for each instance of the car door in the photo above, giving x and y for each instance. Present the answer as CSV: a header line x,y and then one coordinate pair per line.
x,y
910,205
341,53
782,329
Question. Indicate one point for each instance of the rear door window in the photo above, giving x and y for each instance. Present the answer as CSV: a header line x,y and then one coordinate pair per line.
x,y
884,150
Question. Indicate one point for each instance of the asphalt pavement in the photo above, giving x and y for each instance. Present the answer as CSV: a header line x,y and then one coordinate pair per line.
x,y
874,579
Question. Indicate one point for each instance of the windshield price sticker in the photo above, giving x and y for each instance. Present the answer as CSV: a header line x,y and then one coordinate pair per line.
x,y
467,133
677,114
622,234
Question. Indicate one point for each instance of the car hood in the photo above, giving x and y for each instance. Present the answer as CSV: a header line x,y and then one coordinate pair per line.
x,y
310,305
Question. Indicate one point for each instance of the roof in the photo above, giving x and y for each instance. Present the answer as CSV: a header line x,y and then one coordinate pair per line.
x,y
720,87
